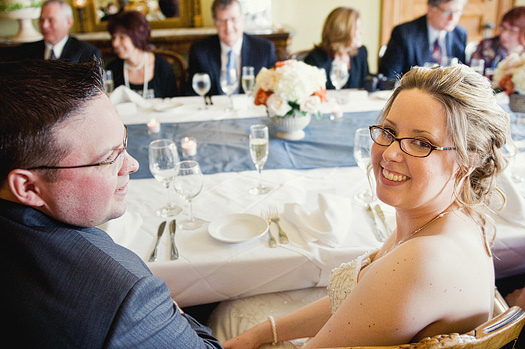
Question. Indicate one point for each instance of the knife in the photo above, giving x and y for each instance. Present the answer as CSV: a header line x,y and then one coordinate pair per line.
x,y
153,256
381,215
174,251
377,232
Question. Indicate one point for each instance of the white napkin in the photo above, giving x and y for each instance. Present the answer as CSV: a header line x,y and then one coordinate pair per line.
x,y
328,224
514,210
123,228
122,94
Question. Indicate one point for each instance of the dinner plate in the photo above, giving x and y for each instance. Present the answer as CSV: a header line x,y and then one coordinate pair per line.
x,y
237,228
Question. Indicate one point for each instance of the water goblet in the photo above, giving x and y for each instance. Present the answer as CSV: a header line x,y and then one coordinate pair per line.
x,y
201,84
248,80
188,184
478,65
229,83
362,155
339,76
259,145
163,157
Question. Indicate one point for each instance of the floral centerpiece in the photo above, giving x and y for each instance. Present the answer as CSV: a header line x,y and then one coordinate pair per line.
x,y
13,5
23,11
291,91
509,77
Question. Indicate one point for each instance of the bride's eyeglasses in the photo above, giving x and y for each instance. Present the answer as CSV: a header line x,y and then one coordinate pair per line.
x,y
412,146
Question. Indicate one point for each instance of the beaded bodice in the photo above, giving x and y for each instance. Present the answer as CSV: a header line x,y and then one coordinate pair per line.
x,y
343,279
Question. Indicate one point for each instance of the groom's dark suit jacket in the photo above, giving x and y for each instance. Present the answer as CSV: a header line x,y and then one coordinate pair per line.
x,y
75,51
409,46
205,57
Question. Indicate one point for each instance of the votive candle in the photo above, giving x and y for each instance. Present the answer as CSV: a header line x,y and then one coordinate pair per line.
x,y
189,146
153,126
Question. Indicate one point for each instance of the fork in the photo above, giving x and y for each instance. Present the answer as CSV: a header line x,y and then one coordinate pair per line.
x,y
271,240
274,217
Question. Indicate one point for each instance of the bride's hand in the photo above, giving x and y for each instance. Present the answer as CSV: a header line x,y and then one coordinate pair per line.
x,y
252,338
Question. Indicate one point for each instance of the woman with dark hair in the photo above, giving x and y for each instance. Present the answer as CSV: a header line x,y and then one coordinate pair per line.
x,y
136,66
341,40
511,39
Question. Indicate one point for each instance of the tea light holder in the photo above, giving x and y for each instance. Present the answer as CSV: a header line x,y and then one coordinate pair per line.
x,y
153,126
189,146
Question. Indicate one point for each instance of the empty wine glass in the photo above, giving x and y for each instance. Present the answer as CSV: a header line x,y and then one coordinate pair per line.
x,y
188,184
259,145
229,83
339,76
201,85
362,155
163,157
248,80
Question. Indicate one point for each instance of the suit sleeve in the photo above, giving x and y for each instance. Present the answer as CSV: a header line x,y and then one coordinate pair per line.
x,y
392,61
149,318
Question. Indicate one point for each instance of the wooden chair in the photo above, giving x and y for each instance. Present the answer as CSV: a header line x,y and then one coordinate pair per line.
x,y
495,333
180,67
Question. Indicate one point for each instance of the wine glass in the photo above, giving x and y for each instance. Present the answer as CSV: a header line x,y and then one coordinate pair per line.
x,y
188,184
229,83
163,157
339,76
478,65
362,155
201,85
248,80
259,145
109,84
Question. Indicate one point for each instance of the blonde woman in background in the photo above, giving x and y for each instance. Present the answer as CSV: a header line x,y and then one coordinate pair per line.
x,y
341,40
436,157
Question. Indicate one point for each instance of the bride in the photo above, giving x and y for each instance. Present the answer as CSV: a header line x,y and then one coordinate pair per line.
x,y
436,156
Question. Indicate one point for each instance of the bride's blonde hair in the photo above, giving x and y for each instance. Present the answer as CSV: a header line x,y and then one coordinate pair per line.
x,y
477,126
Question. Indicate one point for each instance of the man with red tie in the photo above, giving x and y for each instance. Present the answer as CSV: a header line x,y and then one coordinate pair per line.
x,y
427,39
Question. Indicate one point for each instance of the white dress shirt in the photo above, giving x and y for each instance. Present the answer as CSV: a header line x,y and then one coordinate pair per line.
x,y
57,49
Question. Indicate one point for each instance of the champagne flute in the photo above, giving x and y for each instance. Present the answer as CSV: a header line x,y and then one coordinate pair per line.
x,y
163,157
362,155
188,184
259,145
201,85
339,76
229,83
248,80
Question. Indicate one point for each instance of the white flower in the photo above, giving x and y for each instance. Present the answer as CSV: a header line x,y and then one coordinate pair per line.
x,y
518,79
277,106
311,104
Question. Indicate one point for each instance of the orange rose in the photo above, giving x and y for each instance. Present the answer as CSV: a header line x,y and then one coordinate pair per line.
x,y
506,84
281,64
321,94
261,97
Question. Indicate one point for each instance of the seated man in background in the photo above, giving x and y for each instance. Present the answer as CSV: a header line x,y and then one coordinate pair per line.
x,y
230,48
63,170
427,39
55,22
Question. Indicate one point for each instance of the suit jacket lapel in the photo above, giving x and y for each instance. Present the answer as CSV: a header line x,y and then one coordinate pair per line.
x,y
214,61
66,52
421,41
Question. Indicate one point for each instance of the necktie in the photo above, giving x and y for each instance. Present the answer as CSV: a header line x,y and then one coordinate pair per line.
x,y
52,56
231,65
437,55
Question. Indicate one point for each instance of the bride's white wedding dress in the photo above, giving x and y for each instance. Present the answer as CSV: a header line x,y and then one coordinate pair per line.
x,y
231,318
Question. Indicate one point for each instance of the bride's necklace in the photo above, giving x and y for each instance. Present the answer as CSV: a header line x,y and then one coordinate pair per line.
x,y
422,227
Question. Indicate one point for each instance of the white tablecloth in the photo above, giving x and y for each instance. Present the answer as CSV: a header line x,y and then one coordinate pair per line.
x,y
209,270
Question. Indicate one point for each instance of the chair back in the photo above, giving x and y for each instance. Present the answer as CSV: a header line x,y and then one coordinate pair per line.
x,y
179,65
493,334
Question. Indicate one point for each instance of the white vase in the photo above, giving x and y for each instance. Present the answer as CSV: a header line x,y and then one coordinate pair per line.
x,y
291,127
26,30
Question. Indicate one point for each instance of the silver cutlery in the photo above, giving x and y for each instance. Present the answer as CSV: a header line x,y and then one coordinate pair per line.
x,y
174,254
271,240
377,232
274,214
153,256
381,216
